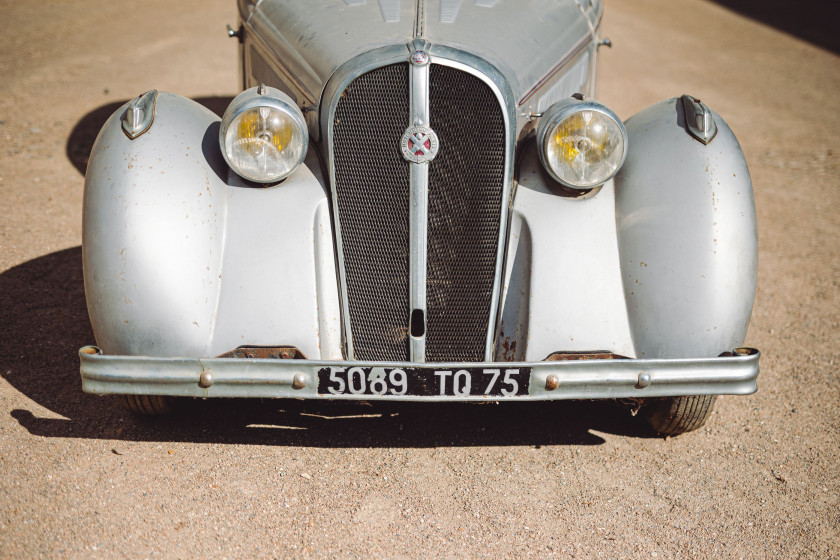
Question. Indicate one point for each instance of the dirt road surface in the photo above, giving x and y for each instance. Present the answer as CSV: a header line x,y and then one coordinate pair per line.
x,y
80,478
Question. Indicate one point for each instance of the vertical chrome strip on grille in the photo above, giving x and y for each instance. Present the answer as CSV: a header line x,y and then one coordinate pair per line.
x,y
419,196
418,228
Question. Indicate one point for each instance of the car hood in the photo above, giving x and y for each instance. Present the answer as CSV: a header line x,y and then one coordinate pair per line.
x,y
524,39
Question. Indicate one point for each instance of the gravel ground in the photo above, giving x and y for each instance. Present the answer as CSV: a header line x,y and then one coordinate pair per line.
x,y
83,479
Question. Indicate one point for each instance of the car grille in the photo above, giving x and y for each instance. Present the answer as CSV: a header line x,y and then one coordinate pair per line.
x,y
466,186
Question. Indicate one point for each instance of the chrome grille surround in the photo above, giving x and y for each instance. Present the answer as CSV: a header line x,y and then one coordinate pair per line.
x,y
355,347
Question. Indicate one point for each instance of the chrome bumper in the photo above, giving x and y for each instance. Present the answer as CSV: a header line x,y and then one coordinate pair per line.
x,y
265,378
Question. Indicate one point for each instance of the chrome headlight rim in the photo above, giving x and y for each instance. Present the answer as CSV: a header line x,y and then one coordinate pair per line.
x,y
561,111
253,98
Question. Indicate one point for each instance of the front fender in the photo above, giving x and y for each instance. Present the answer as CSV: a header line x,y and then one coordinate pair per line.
x,y
687,236
153,228
183,259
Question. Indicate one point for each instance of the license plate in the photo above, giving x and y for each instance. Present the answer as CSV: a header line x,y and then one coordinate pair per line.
x,y
424,382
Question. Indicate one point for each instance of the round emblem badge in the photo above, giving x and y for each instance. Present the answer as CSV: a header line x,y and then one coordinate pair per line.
x,y
419,144
419,58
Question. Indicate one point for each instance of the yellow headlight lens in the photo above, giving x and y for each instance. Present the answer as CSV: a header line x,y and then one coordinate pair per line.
x,y
263,136
264,127
261,144
583,146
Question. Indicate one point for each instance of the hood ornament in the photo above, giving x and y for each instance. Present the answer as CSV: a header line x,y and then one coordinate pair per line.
x,y
419,144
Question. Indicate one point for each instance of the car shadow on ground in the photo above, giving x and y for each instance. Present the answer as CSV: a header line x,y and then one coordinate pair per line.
x,y
45,322
815,22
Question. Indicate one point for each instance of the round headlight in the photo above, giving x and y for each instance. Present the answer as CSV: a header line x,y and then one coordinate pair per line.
x,y
582,143
263,135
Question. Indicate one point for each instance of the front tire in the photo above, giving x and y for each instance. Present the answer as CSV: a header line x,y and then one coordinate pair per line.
x,y
148,405
673,416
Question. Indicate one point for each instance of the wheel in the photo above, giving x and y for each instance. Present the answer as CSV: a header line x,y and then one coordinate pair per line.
x,y
147,405
673,416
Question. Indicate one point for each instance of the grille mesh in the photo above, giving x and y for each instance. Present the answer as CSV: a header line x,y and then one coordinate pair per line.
x,y
466,184
372,182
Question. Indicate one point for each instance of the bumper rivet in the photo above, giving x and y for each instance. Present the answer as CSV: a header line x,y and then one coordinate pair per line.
x,y
299,381
644,380
205,380
552,382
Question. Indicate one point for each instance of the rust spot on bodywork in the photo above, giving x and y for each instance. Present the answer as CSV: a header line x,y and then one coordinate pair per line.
x,y
563,356
508,349
266,353
739,352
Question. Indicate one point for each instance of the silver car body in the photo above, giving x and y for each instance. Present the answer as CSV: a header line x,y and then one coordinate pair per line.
x,y
650,277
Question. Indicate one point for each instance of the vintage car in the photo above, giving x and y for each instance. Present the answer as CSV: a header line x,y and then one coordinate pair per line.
x,y
420,200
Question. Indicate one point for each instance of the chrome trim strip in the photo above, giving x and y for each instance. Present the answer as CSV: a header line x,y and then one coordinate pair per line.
x,y
418,234
575,379
418,97
419,195
420,19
